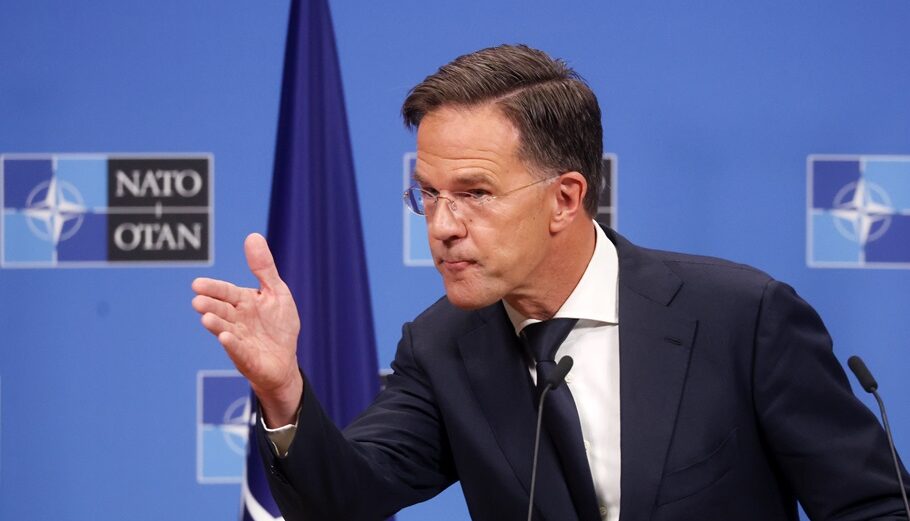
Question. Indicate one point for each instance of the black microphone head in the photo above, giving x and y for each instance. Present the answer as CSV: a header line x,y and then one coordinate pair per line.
x,y
559,374
862,374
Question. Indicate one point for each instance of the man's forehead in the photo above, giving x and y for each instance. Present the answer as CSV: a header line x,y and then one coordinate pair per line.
x,y
459,146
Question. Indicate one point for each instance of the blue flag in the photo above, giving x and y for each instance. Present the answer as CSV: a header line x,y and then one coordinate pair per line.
x,y
314,233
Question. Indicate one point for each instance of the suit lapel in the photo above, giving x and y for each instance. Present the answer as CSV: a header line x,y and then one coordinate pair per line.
x,y
499,377
655,342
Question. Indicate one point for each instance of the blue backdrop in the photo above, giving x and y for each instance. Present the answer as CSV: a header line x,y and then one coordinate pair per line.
x,y
711,108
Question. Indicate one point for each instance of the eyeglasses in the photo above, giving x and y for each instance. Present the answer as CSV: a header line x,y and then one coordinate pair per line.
x,y
423,202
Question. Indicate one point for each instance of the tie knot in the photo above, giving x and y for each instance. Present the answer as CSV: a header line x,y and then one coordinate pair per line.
x,y
542,339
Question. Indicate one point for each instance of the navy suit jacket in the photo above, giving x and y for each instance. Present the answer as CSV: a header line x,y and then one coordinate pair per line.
x,y
732,408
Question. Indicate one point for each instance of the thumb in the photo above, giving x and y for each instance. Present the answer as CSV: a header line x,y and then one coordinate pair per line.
x,y
260,260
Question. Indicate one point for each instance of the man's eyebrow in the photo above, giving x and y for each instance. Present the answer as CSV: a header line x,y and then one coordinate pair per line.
x,y
469,178
418,179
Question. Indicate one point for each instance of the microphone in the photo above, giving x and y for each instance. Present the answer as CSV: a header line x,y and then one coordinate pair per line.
x,y
867,381
556,379
862,374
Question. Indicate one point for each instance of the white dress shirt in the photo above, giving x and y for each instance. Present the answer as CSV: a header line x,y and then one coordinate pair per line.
x,y
594,380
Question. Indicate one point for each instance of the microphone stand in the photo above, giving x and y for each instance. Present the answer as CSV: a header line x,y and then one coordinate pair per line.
x,y
556,379
867,381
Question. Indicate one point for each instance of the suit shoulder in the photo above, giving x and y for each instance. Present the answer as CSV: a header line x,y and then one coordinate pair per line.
x,y
687,262
442,318
431,339
712,273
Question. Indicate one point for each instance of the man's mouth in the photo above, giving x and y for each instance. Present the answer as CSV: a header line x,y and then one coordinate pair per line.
x,y
455,265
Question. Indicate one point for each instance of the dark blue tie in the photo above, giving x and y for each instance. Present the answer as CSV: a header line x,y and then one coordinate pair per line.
x,y
542,340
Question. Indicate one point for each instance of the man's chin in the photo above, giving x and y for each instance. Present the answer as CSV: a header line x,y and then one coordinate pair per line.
x,y
468,305
468,300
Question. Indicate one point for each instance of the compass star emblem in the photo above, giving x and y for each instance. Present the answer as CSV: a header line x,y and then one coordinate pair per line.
x,y
55,210
234,430
862,211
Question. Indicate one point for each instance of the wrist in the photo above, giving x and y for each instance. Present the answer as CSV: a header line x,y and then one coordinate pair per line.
x,y
280,405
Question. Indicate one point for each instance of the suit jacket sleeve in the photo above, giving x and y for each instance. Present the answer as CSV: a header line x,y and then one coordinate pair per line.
x,y
393,455
828,445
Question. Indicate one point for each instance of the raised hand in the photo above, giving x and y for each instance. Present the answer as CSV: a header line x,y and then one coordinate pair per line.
x,y
258,329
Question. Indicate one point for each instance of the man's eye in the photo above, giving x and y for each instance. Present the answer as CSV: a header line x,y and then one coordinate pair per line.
x,y
477,194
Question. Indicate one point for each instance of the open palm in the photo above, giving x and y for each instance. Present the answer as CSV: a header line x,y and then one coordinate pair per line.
x,y
258,328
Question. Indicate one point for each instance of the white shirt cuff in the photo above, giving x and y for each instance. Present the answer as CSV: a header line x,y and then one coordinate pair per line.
x,y
281,437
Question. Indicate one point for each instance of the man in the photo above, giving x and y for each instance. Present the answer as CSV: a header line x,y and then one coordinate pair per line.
x,y
702,389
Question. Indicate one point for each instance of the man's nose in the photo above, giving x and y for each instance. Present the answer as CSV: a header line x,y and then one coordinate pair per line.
x,y
444,223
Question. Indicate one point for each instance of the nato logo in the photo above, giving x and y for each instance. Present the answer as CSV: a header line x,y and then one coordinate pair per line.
x,y
97,210
222,421
858,212
416,250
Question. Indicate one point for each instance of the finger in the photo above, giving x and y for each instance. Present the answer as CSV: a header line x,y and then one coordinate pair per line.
x,y
229,341
218,289
233,346
205,304
215,324
261,262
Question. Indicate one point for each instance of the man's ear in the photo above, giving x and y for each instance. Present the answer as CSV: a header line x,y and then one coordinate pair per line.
x,y
570,191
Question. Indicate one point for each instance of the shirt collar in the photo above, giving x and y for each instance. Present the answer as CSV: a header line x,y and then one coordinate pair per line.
x,y
594,297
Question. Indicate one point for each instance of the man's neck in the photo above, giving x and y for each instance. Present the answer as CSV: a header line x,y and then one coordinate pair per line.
x,y
558,275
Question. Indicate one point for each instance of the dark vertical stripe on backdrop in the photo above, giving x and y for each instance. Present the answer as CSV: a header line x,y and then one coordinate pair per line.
x,y
314,229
